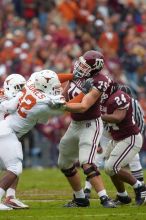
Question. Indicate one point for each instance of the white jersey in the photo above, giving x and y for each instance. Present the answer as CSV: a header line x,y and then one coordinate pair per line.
x,y
32,108
2,115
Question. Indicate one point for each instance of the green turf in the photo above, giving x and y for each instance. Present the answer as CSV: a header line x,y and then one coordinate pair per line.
x,y
46,191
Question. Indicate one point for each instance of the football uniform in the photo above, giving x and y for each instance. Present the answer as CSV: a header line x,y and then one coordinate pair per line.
x,y
28,108
127,127
32,108
2,98
126,139
82,137
106,136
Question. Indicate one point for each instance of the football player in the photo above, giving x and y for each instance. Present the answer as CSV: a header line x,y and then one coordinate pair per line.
x,y
125,144
135,164
82,137
12,85
139,188
29,107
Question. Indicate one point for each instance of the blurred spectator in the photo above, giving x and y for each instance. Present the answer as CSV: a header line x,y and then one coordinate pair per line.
x,y
68,10
131,62
18,7
29,9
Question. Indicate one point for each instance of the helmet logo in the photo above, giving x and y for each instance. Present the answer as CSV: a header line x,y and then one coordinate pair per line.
x,y
7,81
47,79
99,63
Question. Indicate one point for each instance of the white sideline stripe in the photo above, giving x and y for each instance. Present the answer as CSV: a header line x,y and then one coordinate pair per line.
x,y
76,216
51,200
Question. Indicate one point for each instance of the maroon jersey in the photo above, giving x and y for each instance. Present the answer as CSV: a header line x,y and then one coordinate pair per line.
x,y
101,83
105,95
127,127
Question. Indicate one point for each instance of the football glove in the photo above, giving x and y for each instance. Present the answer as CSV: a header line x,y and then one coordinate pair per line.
x,y
57,102
76,75
87,85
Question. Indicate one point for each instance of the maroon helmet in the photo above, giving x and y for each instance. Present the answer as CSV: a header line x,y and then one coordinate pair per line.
x,y
89,64
126,89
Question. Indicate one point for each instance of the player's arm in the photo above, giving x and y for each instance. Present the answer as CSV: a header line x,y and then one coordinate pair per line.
x,y
65,89
116,117
87,101
10,106
86,88
72,104
63,77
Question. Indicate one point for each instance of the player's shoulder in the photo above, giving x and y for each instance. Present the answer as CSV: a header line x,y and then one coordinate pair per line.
x,y
119,99
101,76
101,82
120,94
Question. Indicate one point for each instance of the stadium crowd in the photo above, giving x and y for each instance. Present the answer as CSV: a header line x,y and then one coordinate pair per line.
x,y
52,34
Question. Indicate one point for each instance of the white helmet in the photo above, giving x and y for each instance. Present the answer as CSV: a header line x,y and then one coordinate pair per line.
x,y
48,82
31,79
13,84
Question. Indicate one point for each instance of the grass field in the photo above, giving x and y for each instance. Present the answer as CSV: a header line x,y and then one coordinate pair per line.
x,y
46,191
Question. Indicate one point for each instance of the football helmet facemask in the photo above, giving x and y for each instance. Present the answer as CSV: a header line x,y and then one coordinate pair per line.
x,y
48,82
89,64
13,84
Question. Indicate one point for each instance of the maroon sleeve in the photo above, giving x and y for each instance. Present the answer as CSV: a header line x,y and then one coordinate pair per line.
x,y
101,82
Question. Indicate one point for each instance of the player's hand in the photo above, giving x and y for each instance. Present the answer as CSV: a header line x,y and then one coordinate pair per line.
x,y
57,102
56,105
87,85
76,75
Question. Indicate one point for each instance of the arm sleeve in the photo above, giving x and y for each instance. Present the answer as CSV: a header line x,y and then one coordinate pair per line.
x,y
63,77
101,83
